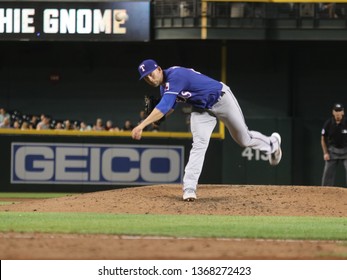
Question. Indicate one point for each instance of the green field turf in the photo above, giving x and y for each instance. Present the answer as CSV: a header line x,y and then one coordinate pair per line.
x,y
37,195
318,228
5,202
313,228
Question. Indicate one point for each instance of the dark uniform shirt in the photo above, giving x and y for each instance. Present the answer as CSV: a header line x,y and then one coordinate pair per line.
x,y
335,134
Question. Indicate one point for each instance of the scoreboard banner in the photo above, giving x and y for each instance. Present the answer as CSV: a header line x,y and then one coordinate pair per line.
x,y
75,21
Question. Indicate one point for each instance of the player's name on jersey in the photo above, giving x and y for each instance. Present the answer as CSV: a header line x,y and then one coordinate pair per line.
x,y
63,21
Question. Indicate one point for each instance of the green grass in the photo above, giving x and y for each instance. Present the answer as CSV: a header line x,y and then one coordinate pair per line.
x,y
317,228
6,202
32,195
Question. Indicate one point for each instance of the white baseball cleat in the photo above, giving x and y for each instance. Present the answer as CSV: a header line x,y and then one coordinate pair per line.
x,y
189,195
276,156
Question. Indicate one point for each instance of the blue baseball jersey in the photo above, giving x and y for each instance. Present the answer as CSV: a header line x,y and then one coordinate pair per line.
x,y
191,87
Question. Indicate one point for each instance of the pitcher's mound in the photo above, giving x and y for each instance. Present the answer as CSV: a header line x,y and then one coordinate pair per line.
x,y
212,200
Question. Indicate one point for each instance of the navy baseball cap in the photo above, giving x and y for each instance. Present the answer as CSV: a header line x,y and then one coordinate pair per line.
x,y
338,107
147,67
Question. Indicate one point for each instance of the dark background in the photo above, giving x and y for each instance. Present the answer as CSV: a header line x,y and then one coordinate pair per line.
x,y
282,79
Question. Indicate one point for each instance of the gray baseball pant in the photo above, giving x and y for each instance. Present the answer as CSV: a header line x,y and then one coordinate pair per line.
x,y
202,124
329,173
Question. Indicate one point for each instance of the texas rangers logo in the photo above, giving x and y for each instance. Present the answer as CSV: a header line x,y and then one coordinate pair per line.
x,y
167,86
142,67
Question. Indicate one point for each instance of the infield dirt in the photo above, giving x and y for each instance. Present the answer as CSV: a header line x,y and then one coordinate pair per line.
x,y
166,199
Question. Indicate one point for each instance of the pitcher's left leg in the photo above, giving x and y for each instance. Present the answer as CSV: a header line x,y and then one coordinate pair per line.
x,y
202,125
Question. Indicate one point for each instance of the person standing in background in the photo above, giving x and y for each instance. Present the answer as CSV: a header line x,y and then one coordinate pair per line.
x,y
334,144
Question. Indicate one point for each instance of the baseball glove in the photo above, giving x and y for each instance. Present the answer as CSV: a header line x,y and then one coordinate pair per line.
x,y
150,103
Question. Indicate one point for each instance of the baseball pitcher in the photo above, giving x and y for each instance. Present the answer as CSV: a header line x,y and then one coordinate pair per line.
x,y
211,100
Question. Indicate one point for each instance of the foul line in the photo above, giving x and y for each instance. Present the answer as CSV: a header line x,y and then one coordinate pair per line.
x,y
39,235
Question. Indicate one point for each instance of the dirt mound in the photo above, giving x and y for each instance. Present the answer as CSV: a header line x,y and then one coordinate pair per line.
x,y
212,200
166,199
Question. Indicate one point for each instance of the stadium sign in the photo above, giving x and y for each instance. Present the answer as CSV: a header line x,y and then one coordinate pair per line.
x,y
59,163
93,21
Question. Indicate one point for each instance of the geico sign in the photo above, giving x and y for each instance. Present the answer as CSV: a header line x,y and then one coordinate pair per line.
x,y
95,164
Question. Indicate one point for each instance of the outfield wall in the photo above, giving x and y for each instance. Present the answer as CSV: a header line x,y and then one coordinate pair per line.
x,y
91,161
75,163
